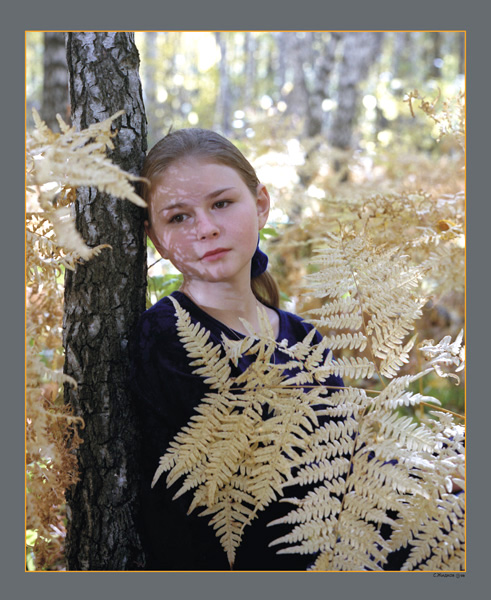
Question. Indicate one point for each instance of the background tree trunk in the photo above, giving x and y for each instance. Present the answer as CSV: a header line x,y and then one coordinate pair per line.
x,y
55,81
323,69
150,81
298,52
249,68
103,299
434,55
461,53
360,50
222,108
402,54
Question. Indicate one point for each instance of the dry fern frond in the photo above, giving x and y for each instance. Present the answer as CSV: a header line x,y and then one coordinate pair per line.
x,y
233,456
393,466
257,434
445,353
450,119
78,158
373,289
56,163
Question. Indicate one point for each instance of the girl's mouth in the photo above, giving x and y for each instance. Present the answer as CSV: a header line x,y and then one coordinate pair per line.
x,y
215,254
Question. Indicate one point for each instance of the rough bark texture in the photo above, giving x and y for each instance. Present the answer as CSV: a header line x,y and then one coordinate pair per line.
x,y
103,299
55,80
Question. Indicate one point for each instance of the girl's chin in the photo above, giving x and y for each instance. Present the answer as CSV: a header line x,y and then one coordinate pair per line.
x,y
225,276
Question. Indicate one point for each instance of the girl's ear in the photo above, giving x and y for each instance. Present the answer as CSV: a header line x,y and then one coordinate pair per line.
x,y
263,203
149,231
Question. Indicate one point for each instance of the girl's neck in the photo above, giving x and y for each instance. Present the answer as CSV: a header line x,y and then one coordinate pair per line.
x,y
226,303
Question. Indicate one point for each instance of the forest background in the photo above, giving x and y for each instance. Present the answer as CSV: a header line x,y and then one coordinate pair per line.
x,y
325,119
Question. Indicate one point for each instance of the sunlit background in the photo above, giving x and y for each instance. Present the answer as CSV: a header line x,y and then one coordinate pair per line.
x,y
324,118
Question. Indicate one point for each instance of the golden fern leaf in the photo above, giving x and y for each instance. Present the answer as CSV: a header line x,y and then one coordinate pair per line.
x,y
392,464
247,435
445,353
56,163
372,289
77,159
212,366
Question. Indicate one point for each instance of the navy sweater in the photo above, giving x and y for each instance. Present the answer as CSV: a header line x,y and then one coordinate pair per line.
x,y
166,393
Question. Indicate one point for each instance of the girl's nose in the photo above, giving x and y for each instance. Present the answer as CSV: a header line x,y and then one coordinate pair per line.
x,y
206,227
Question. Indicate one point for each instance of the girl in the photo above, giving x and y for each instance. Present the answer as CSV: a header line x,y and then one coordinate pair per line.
x,y
206,207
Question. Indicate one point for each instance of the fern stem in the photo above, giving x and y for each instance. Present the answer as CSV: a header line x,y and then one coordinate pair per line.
x,y
444,410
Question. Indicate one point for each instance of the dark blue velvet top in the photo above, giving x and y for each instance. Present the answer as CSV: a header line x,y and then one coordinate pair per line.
x,y
166,393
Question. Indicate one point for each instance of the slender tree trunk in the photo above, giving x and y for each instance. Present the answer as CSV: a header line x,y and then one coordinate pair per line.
x,y
435,54
282,44
462,53
55,82
150,83
222,108
298,98
402,59
250,68
103,299
323,69
360,49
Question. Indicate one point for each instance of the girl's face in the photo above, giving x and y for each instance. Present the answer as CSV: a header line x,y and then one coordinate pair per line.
x,y
205,220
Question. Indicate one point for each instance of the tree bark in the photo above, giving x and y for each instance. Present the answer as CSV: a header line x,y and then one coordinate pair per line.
x,y
222,107
402,54
55,81
461,53
298,99
103,299
360,50
435,54
323,69
249,68
150,84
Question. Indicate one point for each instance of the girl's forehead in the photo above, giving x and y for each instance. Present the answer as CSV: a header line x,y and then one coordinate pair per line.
x,y
196,175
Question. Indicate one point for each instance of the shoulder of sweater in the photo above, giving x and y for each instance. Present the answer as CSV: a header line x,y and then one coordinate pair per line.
x,y
295,320
159,318
296,325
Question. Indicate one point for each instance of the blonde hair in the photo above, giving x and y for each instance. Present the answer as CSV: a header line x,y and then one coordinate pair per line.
x,y
203,143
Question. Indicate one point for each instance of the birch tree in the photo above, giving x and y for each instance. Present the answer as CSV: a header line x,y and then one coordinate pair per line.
x,y
103,299
360,49
55,82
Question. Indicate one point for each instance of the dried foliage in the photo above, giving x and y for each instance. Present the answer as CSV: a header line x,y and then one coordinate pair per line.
x,y
384,481
252,432
56,164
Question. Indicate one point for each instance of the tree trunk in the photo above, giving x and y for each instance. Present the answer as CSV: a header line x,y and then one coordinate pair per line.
x,y
298,98
55,81
249,68
150,85
323,69
435,55
222,108
282,44
360,50
402,54
461,53
103,299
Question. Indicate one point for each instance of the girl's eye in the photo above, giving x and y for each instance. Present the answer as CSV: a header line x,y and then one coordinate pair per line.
x,y
178,219
222,203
